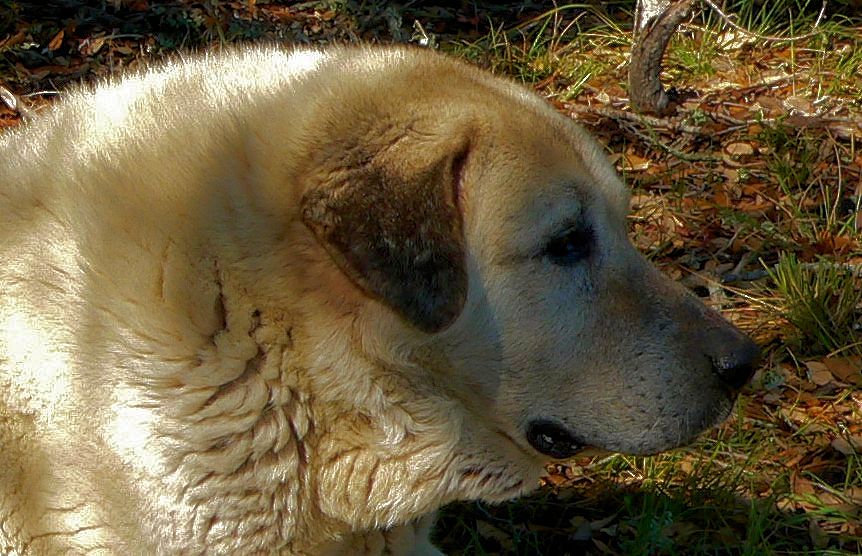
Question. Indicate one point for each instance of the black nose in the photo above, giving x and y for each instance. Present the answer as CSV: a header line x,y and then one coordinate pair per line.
x,y
736,361
552,439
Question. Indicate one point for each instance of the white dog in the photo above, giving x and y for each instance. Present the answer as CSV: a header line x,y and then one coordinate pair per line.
x,y
276,301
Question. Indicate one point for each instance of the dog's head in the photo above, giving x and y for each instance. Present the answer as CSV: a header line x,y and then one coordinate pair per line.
x,y
486,234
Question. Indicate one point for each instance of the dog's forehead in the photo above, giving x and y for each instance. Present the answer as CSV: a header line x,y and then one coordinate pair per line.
x,y
551,166
546,154
538,159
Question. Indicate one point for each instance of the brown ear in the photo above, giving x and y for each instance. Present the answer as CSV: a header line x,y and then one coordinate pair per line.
x,y
396,230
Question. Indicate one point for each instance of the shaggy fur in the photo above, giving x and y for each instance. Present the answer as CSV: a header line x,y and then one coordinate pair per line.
x,y
275,301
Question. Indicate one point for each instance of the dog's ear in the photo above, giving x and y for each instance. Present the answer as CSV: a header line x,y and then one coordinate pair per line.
x,y
391,221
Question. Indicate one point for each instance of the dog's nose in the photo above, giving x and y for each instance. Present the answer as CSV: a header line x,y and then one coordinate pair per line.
x,y
552,439
736,359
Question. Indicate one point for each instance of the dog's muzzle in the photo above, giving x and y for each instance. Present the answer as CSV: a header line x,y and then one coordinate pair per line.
x,y
552,439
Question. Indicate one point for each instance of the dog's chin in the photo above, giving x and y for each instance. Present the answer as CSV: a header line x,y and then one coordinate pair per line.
x,y
679,432
668,434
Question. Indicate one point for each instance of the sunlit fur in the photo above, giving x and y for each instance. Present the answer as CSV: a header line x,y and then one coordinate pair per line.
x,y
184,369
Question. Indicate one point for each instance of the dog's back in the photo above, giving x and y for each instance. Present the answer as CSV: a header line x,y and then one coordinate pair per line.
x,y
99,197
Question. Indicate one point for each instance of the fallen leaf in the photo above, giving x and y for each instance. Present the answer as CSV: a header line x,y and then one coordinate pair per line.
x,y
634,163
555,480
91,46
13,40
800,104
818,373
740,148
854,493
720,198
849,445
57,41
846,369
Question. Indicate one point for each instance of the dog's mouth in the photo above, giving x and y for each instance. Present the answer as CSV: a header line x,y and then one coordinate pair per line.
x,y
552,439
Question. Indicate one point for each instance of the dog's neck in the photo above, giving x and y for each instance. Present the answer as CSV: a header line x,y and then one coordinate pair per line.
x,y
230,449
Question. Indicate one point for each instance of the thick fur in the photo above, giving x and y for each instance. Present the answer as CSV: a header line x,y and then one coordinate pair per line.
x,y
275,301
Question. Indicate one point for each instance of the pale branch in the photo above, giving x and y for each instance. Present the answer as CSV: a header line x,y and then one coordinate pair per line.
x,y
647,10
646,93
655,23
674,125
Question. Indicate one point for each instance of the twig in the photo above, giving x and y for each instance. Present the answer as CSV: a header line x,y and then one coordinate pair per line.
x,y
650,121
752,275
765,83
627,119
747,276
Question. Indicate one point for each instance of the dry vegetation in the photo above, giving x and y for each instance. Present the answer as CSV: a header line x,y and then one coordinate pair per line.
x,y
749,193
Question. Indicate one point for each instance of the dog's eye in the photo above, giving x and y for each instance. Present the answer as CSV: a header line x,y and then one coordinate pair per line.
x,y
570,247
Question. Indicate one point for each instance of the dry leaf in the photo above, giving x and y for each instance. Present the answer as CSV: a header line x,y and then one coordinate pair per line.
x,y
57,41
721,199
854,493
800,104
818,373
634,163
848,445
554,479
841,445
846,369
740,148
794,415
92,46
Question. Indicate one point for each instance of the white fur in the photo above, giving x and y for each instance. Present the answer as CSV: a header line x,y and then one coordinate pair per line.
x,y
183,368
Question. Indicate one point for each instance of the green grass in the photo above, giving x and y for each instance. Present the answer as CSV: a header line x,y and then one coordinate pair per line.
x,y
822,301
790,159
548,48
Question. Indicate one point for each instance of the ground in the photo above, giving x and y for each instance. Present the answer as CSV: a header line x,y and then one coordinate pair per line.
x,y
749,194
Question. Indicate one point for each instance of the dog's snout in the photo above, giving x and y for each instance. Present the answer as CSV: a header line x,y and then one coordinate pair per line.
x,y
552,439
734,358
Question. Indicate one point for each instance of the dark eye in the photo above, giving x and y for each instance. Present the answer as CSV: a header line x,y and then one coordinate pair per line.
x,y
570,247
